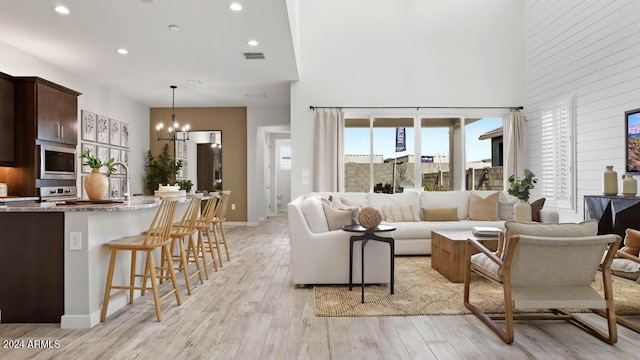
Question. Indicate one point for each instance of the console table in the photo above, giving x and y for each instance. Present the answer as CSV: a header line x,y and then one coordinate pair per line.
x,y
615,214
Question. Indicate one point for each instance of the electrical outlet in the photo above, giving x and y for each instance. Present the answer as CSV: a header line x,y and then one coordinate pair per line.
x,y
233,206
75,241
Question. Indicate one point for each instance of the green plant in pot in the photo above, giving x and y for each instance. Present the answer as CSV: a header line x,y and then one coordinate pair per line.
x,y
160,170
185,184
96,183
520,188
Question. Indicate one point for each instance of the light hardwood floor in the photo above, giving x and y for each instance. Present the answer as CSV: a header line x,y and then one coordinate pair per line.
x,y
250,309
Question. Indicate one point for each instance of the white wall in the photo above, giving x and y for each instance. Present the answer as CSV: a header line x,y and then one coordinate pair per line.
x,y
95,98
260,120
379,53
591,51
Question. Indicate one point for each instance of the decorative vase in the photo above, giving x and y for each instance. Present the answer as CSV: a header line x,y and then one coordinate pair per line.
x,y
629,185
610,181
96,185
522,211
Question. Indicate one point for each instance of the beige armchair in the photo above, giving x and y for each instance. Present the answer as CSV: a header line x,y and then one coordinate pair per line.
x,y
546,266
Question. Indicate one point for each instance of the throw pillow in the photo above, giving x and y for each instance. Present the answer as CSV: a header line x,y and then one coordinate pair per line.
x,y
446,214
311,207
336,218
536,206
505,210
337,204
632,242
484,209
403,213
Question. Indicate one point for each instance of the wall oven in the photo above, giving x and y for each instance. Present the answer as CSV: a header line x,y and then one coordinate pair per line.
x,y
57,162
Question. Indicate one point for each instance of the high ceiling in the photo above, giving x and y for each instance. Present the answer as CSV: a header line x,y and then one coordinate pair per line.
x,y
208,47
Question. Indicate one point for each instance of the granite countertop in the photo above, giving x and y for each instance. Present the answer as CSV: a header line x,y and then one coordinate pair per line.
x,y
12,199
136,203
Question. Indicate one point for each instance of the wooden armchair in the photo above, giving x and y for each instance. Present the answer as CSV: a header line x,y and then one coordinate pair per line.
x,y
626,265
546,272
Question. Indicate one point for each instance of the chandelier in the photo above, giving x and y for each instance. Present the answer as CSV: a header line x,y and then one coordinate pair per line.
x,y
174,128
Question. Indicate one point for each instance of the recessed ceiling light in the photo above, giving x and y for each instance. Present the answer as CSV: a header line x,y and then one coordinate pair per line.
x,y
174,27
235,6
252,43
194,82
147,1
61,10
123,51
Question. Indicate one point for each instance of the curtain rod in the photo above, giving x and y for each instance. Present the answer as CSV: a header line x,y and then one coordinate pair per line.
x,y
312,107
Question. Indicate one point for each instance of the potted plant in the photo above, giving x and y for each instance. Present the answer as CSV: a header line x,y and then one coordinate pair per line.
x,y
96,183
520,189
161,170
185,185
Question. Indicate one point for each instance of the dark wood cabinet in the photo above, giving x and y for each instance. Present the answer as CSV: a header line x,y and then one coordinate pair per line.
x,y
32,282
615,214
52,107
7,121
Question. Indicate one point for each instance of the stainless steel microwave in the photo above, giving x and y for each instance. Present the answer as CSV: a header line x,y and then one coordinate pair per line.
x,y
57,162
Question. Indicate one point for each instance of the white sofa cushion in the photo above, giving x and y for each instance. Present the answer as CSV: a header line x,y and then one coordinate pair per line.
x,y
446,199
411,198
313,212
401,213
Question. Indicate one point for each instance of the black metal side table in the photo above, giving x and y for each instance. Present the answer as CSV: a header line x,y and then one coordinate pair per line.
x,y
369,234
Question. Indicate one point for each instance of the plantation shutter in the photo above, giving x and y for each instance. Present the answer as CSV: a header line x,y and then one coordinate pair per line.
x,y
558,155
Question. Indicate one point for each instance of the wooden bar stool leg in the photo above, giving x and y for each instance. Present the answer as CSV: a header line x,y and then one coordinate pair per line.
x,y
154,284
132,276
213,256
191,249
224,239
184,265
172,274
215,235
202,251
107,290
146,275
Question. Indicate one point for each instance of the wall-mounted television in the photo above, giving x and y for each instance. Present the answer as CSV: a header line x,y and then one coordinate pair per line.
x,y
632,128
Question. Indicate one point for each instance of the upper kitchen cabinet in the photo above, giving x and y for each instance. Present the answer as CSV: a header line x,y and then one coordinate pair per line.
x,y
7,121
52,108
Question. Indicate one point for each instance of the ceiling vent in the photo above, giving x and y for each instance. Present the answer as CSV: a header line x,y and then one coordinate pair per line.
x,y
254,56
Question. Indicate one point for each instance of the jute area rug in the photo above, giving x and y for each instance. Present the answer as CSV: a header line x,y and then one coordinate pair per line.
x,y
420,290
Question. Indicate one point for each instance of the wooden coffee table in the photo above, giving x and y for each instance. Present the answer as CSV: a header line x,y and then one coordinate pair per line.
x,y
448,250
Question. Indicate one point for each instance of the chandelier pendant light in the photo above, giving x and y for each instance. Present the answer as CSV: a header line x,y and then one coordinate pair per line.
x,y
174,128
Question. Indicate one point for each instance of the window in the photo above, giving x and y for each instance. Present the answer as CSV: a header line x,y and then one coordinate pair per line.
x,y
557,132
433,156
285,158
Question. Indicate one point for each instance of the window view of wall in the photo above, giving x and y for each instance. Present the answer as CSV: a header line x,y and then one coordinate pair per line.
x,y
382,166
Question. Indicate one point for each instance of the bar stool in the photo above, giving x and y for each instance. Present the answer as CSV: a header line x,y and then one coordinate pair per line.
x,y
202,224
219,219
156,237
180,230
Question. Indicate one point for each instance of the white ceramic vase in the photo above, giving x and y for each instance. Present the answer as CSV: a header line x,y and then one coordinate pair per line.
x,y
629,185
609,181
96,185
522,211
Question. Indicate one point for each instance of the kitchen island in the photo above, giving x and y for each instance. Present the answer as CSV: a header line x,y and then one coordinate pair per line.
x,y
54,261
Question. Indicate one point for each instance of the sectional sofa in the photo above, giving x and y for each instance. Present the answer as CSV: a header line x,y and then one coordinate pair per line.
x,y
320,255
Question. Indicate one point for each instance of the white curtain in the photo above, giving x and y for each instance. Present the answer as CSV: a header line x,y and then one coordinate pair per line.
x,y
514,156
328,171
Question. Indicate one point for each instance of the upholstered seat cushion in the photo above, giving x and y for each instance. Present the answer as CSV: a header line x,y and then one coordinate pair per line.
x,y
625,268
482,264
